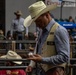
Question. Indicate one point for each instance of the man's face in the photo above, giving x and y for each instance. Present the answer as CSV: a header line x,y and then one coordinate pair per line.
x,y
18,16
42,21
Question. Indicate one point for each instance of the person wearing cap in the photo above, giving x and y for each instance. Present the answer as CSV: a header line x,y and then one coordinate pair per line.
x,y
17,25
18,31
12,55
53,50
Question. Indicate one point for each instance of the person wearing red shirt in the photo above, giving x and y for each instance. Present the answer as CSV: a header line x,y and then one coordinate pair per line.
x,y
12,55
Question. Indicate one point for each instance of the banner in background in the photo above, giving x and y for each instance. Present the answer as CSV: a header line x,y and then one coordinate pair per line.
x,y
68,25
67,3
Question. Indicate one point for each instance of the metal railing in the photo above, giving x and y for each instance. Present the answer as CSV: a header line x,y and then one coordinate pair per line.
x,y
13,67
20,52
71,64
13,43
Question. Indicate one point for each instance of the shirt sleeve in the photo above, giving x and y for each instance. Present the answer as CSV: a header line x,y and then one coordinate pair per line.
x,y
11,27
26,30
62,48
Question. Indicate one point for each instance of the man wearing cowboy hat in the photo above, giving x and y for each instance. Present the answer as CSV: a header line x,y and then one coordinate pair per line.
x,y
17,28
53,49
12,55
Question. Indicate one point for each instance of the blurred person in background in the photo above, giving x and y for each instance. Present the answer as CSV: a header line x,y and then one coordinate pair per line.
x,y
2,37
17,27
71,19
18,31
12,55
73,30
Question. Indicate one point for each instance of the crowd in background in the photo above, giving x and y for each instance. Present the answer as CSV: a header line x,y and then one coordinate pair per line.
x,y
22,33
69,19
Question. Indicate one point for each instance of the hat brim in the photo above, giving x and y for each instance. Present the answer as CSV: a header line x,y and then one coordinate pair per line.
x,y
17,13
18,57
3,56
28,20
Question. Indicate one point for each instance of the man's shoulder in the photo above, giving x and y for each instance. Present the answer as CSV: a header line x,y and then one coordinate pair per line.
x,y
60,27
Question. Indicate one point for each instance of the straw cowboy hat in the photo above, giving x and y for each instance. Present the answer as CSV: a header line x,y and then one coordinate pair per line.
x,y
36,10
12,55
18,13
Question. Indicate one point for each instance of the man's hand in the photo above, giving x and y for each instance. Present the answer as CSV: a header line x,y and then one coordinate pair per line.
x,y
35,57
29,69
26,35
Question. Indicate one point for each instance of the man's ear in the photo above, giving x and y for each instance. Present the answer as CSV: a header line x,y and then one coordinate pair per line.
x,y
47,14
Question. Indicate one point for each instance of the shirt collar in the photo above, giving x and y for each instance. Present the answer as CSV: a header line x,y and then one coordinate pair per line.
x,y
50,25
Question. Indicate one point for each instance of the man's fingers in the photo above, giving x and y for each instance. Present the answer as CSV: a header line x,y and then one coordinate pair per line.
x,y
36,55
